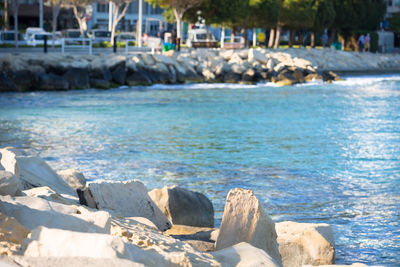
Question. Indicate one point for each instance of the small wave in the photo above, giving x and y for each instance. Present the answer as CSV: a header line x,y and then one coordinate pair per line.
x,y
367,80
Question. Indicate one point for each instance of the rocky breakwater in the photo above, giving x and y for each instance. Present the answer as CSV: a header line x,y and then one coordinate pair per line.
x,y
30,72
43,222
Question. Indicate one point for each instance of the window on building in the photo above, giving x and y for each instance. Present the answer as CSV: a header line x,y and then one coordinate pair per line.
x,y
102,8
397,2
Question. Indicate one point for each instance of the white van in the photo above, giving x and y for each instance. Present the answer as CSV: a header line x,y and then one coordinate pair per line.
x,y
7,37
198,38
32,30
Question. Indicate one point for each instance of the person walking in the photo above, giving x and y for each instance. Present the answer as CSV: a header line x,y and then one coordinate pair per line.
x,y
324,39
360,42
367,43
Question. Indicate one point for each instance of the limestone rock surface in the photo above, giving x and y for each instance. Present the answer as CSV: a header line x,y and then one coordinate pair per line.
x,y
32,212
49,194
244,220
305,243
8,183
243,255
183,206
73,178
11,230
129,199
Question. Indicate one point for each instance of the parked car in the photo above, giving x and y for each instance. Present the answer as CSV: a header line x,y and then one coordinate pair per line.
x,y
73,33
38,39
32,30
123,36
7,37
99,36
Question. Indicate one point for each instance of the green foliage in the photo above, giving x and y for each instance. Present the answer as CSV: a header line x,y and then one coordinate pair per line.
x,y
297,14
325,15
263,13
395,22
168,15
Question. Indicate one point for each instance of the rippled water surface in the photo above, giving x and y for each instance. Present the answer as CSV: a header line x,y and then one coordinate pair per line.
x,y
312,153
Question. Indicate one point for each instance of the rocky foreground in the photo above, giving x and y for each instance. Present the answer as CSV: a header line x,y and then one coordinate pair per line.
x,y
56,219
29,72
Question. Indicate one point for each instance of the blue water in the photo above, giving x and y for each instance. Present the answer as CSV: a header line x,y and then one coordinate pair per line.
x,y
312,153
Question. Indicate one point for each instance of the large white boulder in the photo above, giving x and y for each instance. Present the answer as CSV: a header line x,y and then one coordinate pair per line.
x,y
57,243
32,212
8,183
243,255
32,171
36,172
128,198
305,243
183,206
245,220
255,55
49,194
73,178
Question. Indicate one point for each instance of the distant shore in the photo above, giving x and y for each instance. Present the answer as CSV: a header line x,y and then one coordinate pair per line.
x,y
34,71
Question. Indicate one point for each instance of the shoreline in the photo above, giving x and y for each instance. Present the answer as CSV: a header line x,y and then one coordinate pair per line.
x,y
54,72
55,218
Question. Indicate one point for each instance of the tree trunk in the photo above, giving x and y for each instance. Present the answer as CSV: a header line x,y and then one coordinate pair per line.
x,y
207,33
243,38
291,37
277,36
232,36
5,15
117,17
15,6
78,17
56,11
271,38
313,39
178,16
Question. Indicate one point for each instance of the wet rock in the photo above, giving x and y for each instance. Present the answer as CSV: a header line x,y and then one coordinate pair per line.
x,y
245,220
78,78
6,83
232,77
51,82
138,78
119,74
129,199
305,243
313,77
99,84
249,75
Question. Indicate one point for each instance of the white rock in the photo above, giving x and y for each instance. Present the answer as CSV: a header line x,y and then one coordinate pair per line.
x,y
32,212
49,194
208,74
46,242
236,59
8,161
243,255
73,178
243,54
238,68
8,183
36,172
257,56
184,207
305,243
270,64
11,230
148,59
245,220
226,54
73,261
164,59
130,199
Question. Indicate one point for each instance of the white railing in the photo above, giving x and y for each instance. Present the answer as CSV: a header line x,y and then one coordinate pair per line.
x,y
127,44
236,42
76,44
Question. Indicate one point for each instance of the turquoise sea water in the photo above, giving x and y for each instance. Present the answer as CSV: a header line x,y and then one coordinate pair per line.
x,y
312,153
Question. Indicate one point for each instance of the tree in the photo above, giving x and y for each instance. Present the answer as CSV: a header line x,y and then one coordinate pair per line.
x,y
14,8
179,7
296,15
119,11
79,9
324,17
395,22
